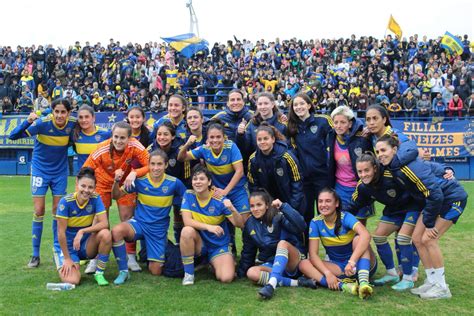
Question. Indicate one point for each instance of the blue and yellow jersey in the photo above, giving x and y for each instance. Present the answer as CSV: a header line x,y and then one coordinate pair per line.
x,y
51,144
212,212
221,165
390,131
78,216
180,128
338,248
87,143
154,200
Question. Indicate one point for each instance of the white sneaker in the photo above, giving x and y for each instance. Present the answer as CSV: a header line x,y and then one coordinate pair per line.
x,y
422,288
133,264
436,292
188,279
91,267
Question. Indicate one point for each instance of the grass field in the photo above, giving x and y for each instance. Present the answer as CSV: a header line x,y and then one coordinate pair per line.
x,y
23,290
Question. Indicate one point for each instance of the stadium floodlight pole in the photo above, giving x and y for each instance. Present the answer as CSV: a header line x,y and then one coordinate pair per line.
x,y
193,21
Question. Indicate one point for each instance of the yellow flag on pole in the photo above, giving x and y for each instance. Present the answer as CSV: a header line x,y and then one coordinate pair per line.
x,y
394,27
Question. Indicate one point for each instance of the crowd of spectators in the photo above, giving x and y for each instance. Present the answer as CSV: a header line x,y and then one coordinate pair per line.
x,y
411,77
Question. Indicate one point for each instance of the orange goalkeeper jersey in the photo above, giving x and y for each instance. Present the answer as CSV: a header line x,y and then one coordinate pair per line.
x,y
105,164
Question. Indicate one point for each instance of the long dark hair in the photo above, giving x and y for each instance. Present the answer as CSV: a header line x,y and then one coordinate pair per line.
x,y
267,218
293,118
77,128
383,112
338,223
144,132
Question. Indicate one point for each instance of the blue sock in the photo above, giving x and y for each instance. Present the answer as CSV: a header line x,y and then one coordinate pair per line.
x,y
285,281
36,232
363,268
120,254
397,250
416,258
102,262
188,264
56,246
279,264
406,253
385,251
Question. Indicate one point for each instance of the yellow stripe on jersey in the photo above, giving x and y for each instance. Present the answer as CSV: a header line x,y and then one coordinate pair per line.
x,y
387,174
355,194
415,180
338,241
80,221
293,166
85,148
53,140
156,201
219,170
206,219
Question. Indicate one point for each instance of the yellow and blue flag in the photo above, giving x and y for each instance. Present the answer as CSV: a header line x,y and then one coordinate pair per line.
x,y
452,44
187,44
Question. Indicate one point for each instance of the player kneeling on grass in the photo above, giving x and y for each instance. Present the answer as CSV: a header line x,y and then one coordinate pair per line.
x,y
269,223
204,217
156,193
346,242
78,237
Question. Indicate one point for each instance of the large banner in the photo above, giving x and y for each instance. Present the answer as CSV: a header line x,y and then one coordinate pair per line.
x,y
441,138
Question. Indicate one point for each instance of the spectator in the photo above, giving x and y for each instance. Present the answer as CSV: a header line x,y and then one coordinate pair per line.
x,y
455,105
463,90
409,104
423,106
469,105
439,106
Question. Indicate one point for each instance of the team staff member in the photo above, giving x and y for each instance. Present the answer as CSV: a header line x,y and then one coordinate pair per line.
x,y
87,135
346,242
346,143
49,165
234,114
80,236
113,158
205,227
156,193
445,202
308,132
274,168
177,107
267,111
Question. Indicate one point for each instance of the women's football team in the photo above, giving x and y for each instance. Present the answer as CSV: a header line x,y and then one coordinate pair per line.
x,y
312,178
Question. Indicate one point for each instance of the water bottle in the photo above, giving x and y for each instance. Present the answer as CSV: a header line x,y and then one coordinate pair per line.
x,y
60,286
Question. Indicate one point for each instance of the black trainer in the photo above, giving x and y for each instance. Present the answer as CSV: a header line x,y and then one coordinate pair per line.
x,y
306,282
266,292
34,262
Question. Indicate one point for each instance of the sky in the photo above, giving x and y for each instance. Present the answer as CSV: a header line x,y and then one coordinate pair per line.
x,y
61,23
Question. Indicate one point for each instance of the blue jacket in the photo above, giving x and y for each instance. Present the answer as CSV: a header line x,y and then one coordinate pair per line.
x,y
247,142
385,190
232,120
279,174
310,145
355,142
288,225
419,179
